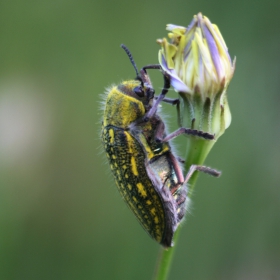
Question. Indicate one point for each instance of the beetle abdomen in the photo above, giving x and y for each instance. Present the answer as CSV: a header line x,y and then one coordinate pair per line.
x,y
148,202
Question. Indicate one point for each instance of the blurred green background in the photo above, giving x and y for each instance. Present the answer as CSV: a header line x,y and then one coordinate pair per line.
x,y
61,216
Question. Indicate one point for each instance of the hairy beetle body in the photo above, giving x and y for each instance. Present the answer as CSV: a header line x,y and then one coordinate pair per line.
x,y
147,173
142,168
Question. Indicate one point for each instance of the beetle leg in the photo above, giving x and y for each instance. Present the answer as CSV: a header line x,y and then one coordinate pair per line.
x,y
159,133
164,91
182,201
201,168
178,172
189,131
171,101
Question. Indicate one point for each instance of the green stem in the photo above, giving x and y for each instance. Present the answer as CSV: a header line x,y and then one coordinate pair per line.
x,y
164,261
197,151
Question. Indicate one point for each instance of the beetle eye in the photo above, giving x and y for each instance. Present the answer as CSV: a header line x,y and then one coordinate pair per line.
x,y
139,91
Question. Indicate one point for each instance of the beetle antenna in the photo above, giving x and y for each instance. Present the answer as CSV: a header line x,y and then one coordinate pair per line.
x,y
131,59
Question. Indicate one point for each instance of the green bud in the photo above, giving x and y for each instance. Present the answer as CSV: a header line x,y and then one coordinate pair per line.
x,y
198,62
200,69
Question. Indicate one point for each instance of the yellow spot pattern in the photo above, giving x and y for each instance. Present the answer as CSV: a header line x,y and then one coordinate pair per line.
x,y
134,166
135,186
141,190
112,136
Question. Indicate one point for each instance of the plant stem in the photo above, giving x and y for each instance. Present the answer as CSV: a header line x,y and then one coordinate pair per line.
x,y
164,261
197,151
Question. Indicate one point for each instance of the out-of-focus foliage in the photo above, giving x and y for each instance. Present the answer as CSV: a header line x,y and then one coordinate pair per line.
x,y
61,216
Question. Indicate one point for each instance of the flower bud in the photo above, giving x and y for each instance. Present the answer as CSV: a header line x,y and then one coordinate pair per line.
x,y
200,69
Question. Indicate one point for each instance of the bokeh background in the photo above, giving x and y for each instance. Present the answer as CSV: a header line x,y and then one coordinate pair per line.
x,y
61,216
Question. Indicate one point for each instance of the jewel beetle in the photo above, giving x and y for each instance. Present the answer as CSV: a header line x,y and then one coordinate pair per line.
x,y
147,173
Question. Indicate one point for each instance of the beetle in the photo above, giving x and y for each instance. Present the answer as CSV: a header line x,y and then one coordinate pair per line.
x,y
147,173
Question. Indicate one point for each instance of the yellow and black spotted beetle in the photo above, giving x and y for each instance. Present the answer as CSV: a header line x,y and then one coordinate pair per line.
x,y
148,174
